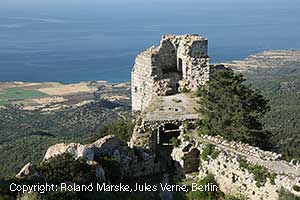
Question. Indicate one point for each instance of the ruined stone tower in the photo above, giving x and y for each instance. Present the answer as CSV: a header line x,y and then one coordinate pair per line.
x,y
179,63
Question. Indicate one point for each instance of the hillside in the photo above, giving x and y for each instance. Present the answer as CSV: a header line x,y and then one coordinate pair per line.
x,y
31,121
55,116
277,75
35,116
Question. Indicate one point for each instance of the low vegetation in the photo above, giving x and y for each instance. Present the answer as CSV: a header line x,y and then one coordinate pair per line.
x,y
209,150
33,132
286,195
121,128
260,173
111,167
65,167
185,90
175,142
62,168
215,194
296,188
282,87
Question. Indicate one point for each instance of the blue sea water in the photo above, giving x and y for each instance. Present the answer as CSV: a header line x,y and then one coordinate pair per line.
x,y
76,40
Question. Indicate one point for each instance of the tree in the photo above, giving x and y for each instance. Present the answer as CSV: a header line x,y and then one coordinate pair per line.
x,y
232,109
121,128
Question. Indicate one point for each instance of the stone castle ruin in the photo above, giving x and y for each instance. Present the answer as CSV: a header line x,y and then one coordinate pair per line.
x,y
165,111
161,78
179,63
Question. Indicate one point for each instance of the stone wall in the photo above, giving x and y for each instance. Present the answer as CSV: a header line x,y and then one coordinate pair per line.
x,y
142,81
145,135
180,61
226,167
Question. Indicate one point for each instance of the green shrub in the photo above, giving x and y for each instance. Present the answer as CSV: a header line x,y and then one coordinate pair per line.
x,y
215,154
112,168
61,196
243,163
272,178
296,188
204,131
65,167
175,142
206,195
285,195
186,137
120,128
185,90
260,173
209,150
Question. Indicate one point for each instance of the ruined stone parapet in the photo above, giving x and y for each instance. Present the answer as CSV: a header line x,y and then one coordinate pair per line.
x,y
180,61
232,177
244,148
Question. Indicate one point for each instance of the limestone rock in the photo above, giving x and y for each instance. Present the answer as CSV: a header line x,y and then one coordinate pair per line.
x,y
188,160
106,146
133,161
28,169
75,149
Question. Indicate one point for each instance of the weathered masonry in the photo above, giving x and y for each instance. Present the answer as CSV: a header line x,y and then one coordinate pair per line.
x,y
179,63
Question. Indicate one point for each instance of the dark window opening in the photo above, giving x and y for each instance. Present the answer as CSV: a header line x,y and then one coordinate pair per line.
x,y
168,132
177,87
179,65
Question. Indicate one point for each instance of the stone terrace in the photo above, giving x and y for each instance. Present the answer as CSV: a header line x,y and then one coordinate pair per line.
x,y
172,108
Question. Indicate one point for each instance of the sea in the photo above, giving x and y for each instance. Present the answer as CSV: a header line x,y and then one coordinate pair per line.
x,y
79,40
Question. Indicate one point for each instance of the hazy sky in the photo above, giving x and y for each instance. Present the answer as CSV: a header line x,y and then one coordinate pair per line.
x,y
89,2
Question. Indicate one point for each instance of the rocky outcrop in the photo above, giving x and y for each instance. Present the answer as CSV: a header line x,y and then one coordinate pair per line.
x,y
77,150
107,146
134,162
27,170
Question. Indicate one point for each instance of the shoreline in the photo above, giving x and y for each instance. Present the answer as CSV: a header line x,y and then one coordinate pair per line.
x,y
231,63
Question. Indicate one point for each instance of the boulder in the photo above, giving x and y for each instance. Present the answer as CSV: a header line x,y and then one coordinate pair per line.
x,y
75,149
28,169
106,146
